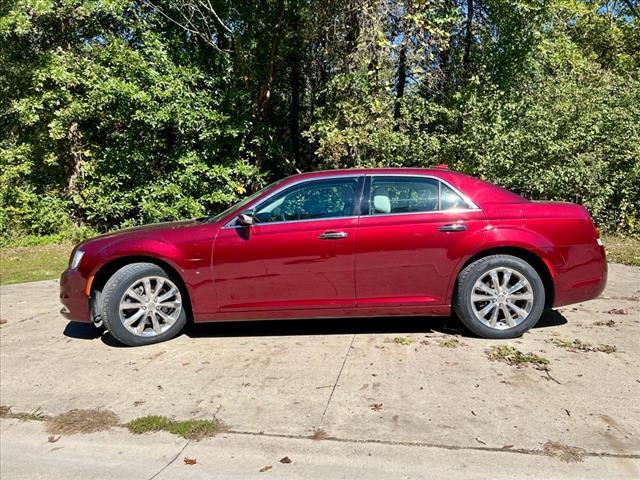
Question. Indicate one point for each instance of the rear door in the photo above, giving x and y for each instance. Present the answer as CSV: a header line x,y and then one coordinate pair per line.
x,y
411,236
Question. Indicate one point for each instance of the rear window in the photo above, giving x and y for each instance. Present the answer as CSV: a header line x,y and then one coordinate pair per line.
x,y
396,194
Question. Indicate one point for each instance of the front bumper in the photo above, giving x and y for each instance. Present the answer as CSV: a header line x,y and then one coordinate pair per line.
x,y
72,295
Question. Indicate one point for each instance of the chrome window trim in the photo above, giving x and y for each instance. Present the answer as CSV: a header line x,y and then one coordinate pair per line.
x,y
294,184
472,207
470,204
453,210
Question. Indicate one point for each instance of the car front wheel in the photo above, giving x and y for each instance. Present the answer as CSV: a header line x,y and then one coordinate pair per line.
x,y
141,304
499,296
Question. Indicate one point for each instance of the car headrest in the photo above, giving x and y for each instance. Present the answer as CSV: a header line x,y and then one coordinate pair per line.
x,y
381,204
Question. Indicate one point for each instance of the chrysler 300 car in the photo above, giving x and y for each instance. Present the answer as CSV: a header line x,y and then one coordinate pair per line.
x,y
348,243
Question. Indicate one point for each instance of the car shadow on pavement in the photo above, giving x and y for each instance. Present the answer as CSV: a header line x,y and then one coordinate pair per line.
x,y
83,331
341,326
325,326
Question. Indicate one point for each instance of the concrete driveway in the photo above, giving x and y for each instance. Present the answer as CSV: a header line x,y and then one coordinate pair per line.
x,y
395,398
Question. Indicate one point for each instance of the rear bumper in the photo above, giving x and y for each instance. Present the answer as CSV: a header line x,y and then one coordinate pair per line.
x,y
72,296
584,279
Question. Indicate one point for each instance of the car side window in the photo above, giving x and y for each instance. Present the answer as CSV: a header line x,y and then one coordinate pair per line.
x,y
310,200
449,199
389,195
403,195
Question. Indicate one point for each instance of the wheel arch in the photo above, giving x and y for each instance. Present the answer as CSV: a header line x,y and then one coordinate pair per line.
x,y
106,271
532,258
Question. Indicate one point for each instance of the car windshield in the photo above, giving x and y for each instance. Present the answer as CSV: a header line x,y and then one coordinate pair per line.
x,y
243,202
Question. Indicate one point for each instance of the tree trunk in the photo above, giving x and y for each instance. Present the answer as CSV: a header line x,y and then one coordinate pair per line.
x,y
401,82
468,40
296,74
75,153
264,94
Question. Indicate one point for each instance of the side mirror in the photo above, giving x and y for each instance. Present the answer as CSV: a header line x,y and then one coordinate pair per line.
x,y
245,218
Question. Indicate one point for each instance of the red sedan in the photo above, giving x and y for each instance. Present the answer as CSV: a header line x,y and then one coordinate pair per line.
x,y
376,242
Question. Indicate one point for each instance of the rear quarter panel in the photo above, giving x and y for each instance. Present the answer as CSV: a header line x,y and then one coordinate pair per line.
x,y
562,235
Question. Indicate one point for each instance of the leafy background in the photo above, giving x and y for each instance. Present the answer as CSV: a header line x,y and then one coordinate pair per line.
x,y
115,113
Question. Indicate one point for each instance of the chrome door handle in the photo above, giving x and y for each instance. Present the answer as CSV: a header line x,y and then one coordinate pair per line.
x,y
332,235
453,227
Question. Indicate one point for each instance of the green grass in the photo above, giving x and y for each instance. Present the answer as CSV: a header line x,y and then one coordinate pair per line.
x,y
191,429
622,249
28,264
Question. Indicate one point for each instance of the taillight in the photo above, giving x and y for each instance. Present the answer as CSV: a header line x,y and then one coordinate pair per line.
x,y
597,232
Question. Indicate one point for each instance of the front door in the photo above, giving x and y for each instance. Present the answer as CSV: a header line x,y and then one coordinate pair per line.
x,y
416,230
298,254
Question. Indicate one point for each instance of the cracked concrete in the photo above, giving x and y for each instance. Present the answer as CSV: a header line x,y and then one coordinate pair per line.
x,y
445,412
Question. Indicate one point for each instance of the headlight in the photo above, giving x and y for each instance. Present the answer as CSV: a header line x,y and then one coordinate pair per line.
x,y
77,258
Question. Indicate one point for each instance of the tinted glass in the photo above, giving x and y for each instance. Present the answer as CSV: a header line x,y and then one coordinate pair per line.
x,y
403,195
450,199
310,200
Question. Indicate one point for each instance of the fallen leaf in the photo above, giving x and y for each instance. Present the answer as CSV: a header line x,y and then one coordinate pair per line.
x,y
618,311
376,407
480,441
266,468
318,434
2,321
507,446
53,439
285,460
190,461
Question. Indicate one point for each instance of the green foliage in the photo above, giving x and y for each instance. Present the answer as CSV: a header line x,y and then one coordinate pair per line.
x,y
113,115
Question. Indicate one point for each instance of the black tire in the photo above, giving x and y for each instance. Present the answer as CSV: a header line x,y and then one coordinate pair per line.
x,y
113,292
465,283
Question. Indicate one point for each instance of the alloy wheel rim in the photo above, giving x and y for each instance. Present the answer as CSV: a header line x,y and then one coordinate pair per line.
x,y
150,306
502,298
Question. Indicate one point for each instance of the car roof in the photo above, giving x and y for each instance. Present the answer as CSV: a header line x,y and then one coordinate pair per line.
x,y
479,191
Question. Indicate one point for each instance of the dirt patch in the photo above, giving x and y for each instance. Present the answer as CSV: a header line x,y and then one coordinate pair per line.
x,y
451,343
564,453
82,421
5,412
512,356
580,346
618,311
608,323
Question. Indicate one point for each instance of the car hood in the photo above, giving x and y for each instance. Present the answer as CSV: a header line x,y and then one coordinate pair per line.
x,y
152,230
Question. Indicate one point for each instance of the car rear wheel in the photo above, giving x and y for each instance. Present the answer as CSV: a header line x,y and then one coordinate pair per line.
x,y
499,296
141,304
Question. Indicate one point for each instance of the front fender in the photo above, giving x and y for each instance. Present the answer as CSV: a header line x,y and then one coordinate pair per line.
x,y
154,248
